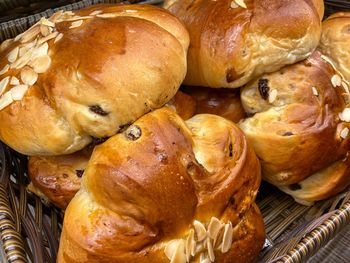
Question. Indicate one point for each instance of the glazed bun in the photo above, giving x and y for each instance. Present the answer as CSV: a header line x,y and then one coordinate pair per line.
x,y
86,74
232,42
183,104
222,102
151,193
335,42
56,179
298,126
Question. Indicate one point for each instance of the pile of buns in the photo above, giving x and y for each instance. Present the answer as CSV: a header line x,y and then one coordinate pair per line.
x,y
148,173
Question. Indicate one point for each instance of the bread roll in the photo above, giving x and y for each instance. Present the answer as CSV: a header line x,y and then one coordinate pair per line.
x,y
298,126
183,104
335,42
150,193
57,178
232,42
86,74
223,102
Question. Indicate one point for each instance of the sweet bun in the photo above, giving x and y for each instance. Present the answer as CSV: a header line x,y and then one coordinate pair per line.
x,y
298,126
57,178
232,42
222,102
183,104
335,41
86,74
151,193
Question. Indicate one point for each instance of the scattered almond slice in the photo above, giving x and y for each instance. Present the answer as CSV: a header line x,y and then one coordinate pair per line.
x,y
210,250
108,15
4,69
227,238
345,115
336,81
241,3
200,230
28,76
214,227
344,133
41,64
96,12
190,248
30,34
233,4
17,92
179,255
56,16
47,38
23,60
12,55
170,248
14,81
273,95
76,24
58,38
3,84
41,50
5,100
45,30
314,91
5,44
46,22
345,86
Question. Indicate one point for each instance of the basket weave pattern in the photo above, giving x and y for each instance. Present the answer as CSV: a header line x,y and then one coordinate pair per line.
x,y
30,228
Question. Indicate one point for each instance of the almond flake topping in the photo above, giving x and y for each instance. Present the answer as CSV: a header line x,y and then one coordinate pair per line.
x,y
345,115
314,91
17,92
76,24
109,15
344,133
3,84
241,3
58,38
4,69
336,81
96,12
201,232
273,95
14,81
12,56
5,44
41,64
233,4
5,100
28,76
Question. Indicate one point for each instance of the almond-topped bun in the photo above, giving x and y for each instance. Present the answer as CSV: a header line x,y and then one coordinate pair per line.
x,y
166,190
223,102
335,42
298,128
234,41
84,74
57,179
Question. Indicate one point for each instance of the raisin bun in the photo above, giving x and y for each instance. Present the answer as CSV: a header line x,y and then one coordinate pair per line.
x,y
75,76
234,41
298,126
56,179
223,102
167,190
335,42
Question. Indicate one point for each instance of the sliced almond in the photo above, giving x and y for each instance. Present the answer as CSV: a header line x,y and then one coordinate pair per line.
x,y
23,60
233,4
336,81
108,15
28,76
345,115
273,95
30,34
199,247
344,133
241,3
17,92
190,248
227,238
4,69
76,24
41,64
314,91
345,86
46,22
5,44
12,55
56,16
214,227
203,258
200,230
14,81
5,100
58,38
170,248
45,30
47,38
96,12
179,255
210,250
41,50
130,11
3,84
77,18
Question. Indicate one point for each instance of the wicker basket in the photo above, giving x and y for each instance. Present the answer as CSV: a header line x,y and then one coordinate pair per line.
x,y
30,228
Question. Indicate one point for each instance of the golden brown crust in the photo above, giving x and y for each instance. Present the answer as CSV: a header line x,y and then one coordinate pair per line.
x,y
92,85
335,41
295,128
323,184
231,45
223,102
183,104
58,178
133,202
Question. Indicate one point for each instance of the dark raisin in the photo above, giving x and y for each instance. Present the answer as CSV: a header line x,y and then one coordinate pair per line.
x,y
98,110
79,173
133,133
295,187
230,149
264,88
288,134
97,141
